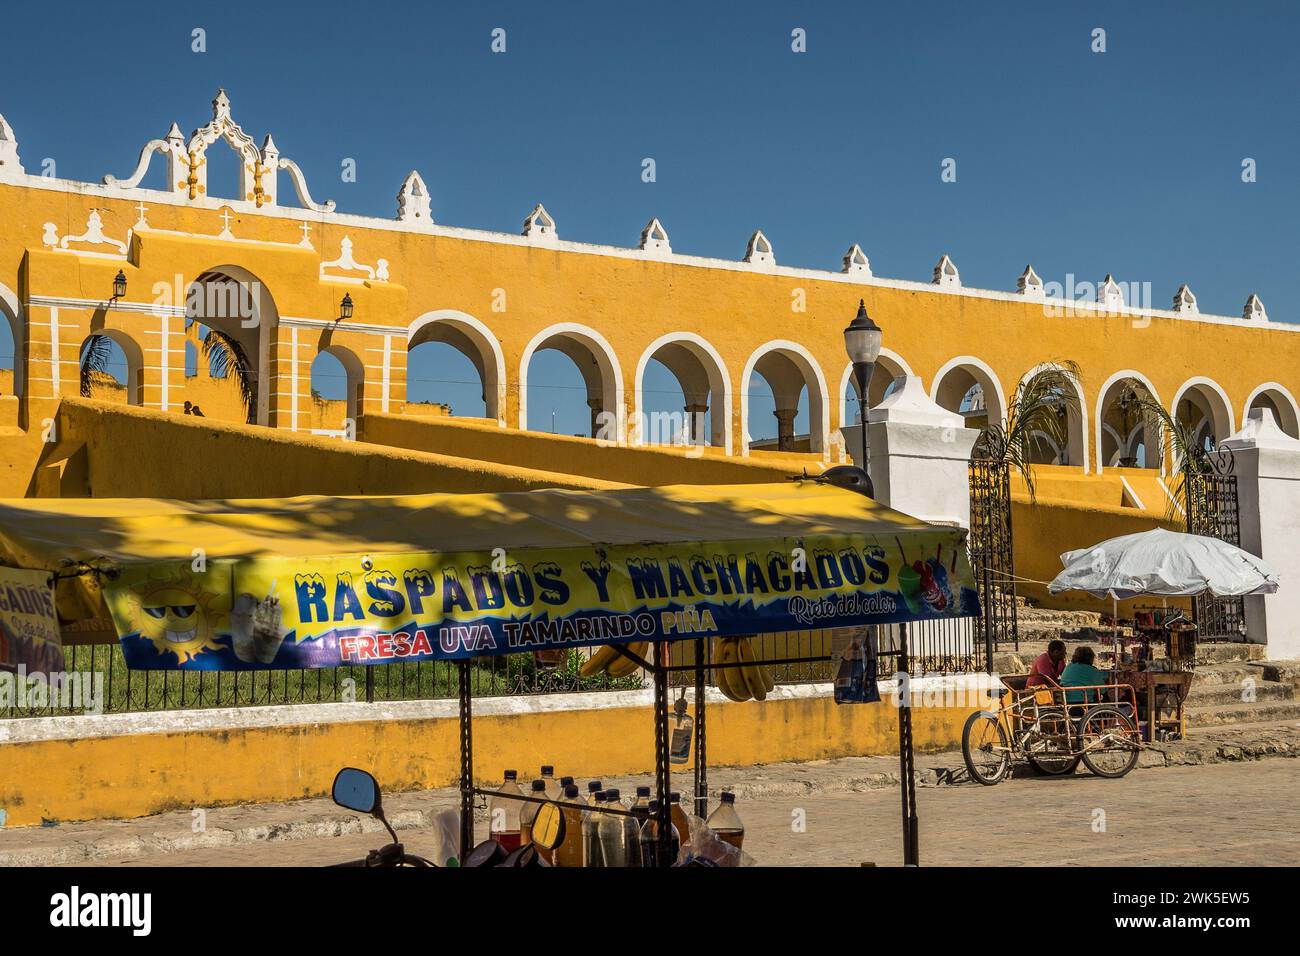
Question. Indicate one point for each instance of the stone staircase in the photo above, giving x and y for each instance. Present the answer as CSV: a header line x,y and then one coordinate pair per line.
x,y
1235,685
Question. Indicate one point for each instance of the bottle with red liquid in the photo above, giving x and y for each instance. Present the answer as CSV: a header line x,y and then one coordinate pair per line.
x,y
503,814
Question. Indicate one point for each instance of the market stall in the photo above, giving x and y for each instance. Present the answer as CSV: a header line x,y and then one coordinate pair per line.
x,y
325,581
1158,658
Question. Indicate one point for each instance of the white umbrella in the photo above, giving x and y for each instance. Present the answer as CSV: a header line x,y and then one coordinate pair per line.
x,y
1166,563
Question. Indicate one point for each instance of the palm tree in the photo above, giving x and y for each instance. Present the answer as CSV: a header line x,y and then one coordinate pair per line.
x,y
94,361
1173,439
225,356
1039,411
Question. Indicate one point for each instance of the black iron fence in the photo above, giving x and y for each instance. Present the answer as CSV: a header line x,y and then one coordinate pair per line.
x,y
1211,506
992,553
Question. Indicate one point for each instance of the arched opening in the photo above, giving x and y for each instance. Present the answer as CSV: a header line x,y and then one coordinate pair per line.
x,y
1278,400
240,317
337,390
886,378
570,383
682,394
112,368
1203,410
1127,435
784,403
1064,400
453,360
970,388
12,354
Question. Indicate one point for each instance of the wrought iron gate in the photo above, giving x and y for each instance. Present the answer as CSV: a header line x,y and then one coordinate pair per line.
x,y
1211,508
991,551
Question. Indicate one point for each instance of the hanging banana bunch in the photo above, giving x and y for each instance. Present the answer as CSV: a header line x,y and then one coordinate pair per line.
x,y
608,661
751,681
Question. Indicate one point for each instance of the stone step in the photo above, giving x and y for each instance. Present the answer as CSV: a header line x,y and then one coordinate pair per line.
x,y
1231,692
1233,672
1225,652
1214,715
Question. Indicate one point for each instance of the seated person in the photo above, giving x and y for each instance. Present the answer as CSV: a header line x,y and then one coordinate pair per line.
x,y
1047,667
1082,673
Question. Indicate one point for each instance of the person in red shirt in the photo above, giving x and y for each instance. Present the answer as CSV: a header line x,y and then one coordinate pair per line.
x,y
1047,667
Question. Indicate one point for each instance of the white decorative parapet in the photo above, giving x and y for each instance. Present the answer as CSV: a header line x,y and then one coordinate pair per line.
x,y
758,253
1029,284
918,454
10,166
946,275
654,239
1110,294
856,262
1266,462
413,200
1185,301
187,173
1254,310
540,225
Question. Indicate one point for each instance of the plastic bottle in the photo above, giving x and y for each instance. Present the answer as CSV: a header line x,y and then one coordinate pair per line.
x,y
680,820
591,853
651,854
528,813
503,815
613,838
725,821
553,788
569,852
564,782
594,787
641,806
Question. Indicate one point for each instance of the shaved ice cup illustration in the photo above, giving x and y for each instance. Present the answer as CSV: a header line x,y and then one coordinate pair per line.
x,y
256,629
909,583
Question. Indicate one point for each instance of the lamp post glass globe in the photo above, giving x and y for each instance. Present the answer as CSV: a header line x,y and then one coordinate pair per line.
x,y
862,342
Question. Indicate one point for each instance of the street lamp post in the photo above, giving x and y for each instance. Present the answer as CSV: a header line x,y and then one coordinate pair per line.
x,y
862,342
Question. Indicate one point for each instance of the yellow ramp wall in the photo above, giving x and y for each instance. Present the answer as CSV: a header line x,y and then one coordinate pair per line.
x,y
639,465
151,763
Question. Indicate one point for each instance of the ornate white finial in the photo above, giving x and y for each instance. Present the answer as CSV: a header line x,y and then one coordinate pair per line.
x,y
413,200
174,135
1185,301
1110,294
856,263
221,105
539,224
1254,310
654,238
1029,284
759,251
946,274
9,163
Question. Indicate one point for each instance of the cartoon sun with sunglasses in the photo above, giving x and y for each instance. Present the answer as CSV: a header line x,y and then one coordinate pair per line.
x,y
177,616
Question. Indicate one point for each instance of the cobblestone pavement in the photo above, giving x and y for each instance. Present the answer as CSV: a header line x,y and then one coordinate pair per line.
x,y
1223,814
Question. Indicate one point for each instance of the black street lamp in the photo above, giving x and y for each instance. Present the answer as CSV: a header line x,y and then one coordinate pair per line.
x,y
862,342
345,307
119,285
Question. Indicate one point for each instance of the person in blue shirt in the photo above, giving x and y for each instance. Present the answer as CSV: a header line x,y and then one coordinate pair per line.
x,y
1080,672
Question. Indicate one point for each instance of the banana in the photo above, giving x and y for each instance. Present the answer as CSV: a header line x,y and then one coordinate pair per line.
x,y
621,666
726,654
597,662
764,671
752,676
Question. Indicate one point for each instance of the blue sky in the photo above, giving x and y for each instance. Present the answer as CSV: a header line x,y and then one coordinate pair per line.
x,y
1083,163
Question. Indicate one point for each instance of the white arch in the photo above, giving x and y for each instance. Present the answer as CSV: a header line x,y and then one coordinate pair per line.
x,y
1099,411
997,414
1228,424
494,360
1280,391
354,371
1083,409
132,351
887,355
819,406
719,385
610,372
265,316
13,311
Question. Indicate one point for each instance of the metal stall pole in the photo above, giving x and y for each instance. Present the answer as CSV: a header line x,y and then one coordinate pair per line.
x,y
663,783
701,756
906,763
466,761
987,618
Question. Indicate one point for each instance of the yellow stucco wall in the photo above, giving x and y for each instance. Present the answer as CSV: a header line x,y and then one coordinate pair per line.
x,y
139,774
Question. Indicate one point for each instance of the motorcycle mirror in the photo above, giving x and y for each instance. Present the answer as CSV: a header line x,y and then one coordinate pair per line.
x,y
548,826
356,790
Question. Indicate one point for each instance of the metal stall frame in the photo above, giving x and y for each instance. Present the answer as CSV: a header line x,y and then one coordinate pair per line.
x,y
661,668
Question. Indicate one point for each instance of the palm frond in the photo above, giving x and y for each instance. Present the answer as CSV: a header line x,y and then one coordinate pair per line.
x,y
225,356
1173,439
1040,410
94,361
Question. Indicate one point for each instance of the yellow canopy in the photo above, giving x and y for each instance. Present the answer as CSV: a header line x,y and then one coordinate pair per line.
x,y
44,533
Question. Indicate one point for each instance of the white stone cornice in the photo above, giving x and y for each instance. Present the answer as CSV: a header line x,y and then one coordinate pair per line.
x,y
120,305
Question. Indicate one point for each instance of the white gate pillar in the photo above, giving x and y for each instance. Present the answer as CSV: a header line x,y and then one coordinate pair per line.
x,y
1267,465
917,455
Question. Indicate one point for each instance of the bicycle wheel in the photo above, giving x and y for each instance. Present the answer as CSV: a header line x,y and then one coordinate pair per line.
x,y
985,749
1109,741
1048,746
